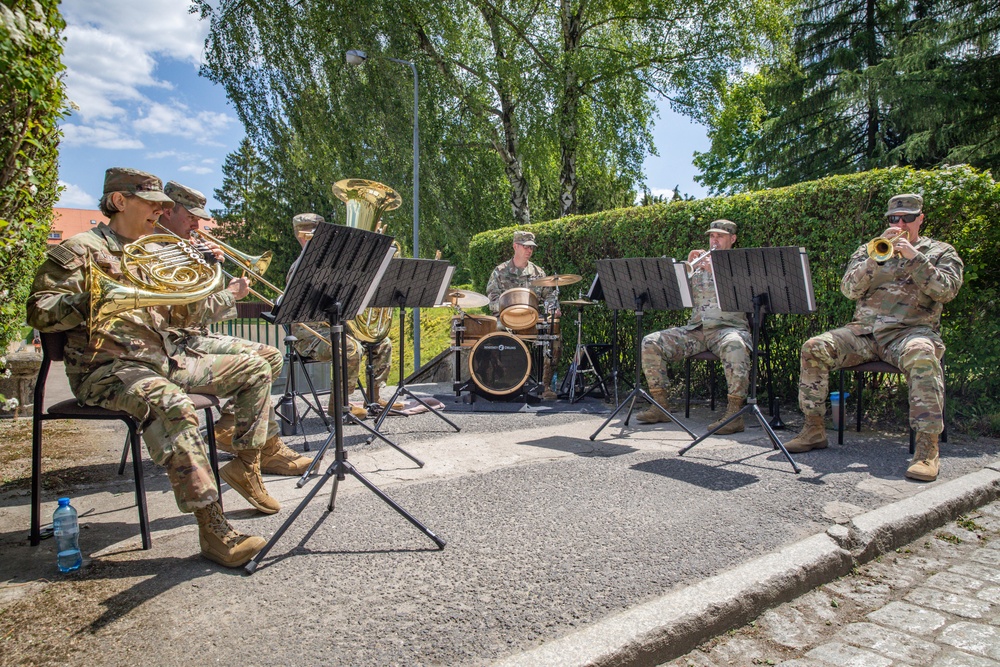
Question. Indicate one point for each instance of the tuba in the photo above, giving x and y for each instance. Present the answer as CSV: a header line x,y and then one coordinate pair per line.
x,y
160,270
366,202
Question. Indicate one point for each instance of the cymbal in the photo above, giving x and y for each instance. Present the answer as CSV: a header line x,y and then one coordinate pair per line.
x,y
465,298
556,280
578,302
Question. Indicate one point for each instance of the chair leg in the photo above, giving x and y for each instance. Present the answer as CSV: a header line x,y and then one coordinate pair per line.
x,y
840,410
687,389
711,385
944,404
859,387
35,536
213,450
913,441
140,485
128,445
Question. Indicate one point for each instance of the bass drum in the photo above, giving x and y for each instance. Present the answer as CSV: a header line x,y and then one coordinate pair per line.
x,y
499,363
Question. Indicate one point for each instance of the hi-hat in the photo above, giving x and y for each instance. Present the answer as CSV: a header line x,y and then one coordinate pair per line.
x,y
578,302
557,280
465,298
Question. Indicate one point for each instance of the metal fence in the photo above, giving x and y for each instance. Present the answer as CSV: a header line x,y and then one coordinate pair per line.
x,y
249,325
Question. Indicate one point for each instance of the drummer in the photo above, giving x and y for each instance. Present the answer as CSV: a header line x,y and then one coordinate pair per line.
x,y
519,271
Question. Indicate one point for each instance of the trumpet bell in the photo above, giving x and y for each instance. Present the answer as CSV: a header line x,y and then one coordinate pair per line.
x,y
881,248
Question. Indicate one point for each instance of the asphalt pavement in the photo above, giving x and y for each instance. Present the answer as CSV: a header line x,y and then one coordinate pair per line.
x,y
560,550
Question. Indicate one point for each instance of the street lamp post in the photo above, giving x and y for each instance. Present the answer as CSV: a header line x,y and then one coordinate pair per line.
x,y
355,57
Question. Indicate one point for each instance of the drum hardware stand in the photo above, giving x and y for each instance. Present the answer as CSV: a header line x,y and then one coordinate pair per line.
x,y
303,300
579,355
638,391
401,388
596,293
776,279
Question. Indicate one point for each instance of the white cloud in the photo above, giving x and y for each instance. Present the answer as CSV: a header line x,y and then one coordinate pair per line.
x,y
98,135
177,119
111,55
159,155
157,26
73,196
195,169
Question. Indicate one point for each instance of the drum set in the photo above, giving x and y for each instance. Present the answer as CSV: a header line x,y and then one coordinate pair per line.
x,y
506,354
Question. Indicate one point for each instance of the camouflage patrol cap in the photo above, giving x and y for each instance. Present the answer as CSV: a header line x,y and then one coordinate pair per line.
x,y
307,221
724,226
187,197
525,238
139,183
903,204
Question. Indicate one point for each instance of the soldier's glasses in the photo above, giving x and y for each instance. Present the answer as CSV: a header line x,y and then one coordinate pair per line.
x,y
908,218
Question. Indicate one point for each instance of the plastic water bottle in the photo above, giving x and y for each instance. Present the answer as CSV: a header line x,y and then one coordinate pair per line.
x,y
66,530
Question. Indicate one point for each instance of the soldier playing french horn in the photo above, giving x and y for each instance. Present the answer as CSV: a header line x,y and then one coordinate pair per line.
x,y
127,362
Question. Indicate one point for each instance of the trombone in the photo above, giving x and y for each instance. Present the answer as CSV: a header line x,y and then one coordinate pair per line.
x,y
251,264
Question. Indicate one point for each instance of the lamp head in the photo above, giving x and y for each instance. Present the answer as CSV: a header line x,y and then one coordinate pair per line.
x,y
355,57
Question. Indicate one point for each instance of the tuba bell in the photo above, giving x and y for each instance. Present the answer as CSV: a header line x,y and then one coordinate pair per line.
x,y
159,270
366,202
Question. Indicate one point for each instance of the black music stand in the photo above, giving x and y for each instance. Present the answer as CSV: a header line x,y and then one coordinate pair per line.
x,y
637,283
752,280
411,283
335,278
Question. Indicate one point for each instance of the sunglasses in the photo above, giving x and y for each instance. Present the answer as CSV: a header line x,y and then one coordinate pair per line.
x,y
908,218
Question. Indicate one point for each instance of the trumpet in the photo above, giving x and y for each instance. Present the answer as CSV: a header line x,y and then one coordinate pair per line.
x,y
689,266
881,248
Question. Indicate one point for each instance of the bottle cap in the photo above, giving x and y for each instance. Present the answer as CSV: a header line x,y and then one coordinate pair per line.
x,y
63,502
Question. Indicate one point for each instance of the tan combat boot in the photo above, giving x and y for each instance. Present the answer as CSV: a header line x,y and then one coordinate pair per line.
x,y
356,410
225,429
813,436
219,540
653,414
547,392
397,405
243,474
925,464
277,459
735,426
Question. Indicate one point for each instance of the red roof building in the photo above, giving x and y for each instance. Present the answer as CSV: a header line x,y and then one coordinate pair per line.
x,y
69,222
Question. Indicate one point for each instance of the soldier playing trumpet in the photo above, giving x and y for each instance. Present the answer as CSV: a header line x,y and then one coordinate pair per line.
x,y
898,320
727,335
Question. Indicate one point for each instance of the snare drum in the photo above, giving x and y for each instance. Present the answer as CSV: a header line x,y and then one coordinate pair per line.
x,y
499,363
475,327
518,308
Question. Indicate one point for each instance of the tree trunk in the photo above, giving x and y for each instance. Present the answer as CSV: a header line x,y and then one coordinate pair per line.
x,y
569,137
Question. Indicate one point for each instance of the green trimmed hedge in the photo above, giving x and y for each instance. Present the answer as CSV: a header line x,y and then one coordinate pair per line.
x,y
32,101
830,217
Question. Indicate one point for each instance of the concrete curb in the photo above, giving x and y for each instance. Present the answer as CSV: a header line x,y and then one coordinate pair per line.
x,y
674,624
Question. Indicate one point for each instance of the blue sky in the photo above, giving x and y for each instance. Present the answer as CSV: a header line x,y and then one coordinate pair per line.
x,y
132,71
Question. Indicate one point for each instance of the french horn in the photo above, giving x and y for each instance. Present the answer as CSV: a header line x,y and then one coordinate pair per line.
x,y
159,270
366,201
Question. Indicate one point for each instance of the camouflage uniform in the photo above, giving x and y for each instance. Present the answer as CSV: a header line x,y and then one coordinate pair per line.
x,y
132,363
726,335
507,276
311,347
898,320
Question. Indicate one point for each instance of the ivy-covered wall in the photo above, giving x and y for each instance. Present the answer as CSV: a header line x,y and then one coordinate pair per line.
x,y
32,101
830,217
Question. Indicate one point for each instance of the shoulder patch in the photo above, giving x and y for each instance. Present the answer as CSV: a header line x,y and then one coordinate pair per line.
x,y
64,257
